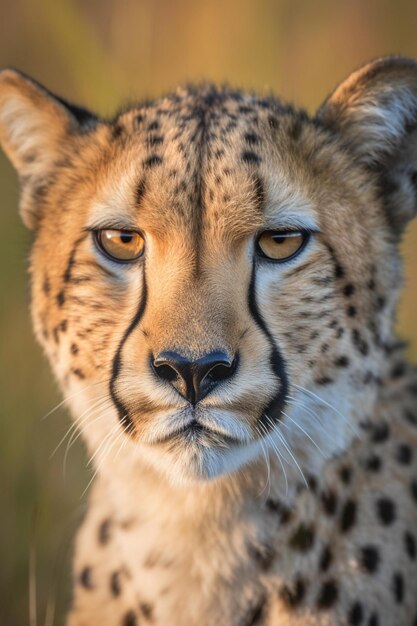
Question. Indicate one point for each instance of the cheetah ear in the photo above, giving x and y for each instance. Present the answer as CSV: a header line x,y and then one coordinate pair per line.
x,y
35,129
375,112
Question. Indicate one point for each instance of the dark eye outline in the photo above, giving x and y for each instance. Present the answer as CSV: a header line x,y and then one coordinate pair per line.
x,y
306,234
97,240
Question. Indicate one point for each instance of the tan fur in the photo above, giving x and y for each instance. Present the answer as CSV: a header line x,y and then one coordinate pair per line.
x,y
302,517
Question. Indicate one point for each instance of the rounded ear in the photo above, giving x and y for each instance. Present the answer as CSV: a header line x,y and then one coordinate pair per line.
x,y
375,113
35,128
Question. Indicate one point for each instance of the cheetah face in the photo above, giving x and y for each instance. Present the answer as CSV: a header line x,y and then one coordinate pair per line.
x,y
214,275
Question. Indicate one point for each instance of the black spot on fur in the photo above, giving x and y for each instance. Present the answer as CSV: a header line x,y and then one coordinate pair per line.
x,y
351,311
359,342
273,122
115,586
342,361
152,161
153,125
74,348
410,417
303,538
256,614
86,579
155,140
60,299
63,325
404,454
104,532
146,611
373,620
369,559
293,595
325,559
116,131
386,511
348,516
328,595
380,303
410,545
279,509
349,289
398,371
329,502
355,615
373,463
130,619
263,555
250,158
252,139
78,373
380,432
324,380
345,474
398,587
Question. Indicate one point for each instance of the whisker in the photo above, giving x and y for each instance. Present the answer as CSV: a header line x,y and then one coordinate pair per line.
x,y
267,462
304,432
73,426
72,395
277,454
78,431
108,441
314,395
284,442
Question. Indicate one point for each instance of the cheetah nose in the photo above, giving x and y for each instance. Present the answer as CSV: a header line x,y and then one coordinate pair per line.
x,y
194,379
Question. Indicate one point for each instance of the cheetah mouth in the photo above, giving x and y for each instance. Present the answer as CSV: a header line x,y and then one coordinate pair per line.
x,y
197,427
197,433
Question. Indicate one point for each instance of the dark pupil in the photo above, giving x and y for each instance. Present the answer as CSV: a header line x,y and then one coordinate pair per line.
x,y
126,237
279,238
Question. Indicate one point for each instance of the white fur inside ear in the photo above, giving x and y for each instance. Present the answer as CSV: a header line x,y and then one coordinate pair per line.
x,y
380,122
26,133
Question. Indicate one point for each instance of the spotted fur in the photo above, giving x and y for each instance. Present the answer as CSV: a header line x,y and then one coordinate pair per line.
x,y
288,494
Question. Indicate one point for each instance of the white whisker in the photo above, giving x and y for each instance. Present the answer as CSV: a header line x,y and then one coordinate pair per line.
x,y
72,395
330,406
287,447
304,432
277,454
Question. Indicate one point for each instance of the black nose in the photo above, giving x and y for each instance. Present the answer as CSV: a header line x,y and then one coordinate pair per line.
x,y
194,379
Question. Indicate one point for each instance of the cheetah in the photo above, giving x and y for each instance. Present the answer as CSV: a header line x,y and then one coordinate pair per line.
x,y
214,279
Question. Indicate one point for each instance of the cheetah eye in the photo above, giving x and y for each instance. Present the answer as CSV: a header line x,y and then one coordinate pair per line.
x,y
281,245
120,245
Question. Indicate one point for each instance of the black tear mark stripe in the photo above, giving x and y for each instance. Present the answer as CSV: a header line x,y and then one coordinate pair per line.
x,y
71,260
67,275
123,412
276,405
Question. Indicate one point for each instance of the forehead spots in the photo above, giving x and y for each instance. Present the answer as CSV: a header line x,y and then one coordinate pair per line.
x,y
251,158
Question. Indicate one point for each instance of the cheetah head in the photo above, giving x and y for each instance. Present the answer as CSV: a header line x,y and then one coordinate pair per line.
x,y
214,274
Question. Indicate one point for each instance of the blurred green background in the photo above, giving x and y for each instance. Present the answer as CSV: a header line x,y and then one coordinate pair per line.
x,y
100,53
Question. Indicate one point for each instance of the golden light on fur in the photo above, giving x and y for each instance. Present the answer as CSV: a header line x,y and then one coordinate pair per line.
x,y
251,420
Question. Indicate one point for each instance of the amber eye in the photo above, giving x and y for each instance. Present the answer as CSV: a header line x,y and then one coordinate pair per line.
x,y
281,245
121,245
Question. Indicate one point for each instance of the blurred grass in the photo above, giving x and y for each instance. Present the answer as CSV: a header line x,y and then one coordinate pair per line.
x,y
100,53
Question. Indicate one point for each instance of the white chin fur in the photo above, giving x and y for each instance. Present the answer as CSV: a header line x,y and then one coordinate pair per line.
x,y
194,463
